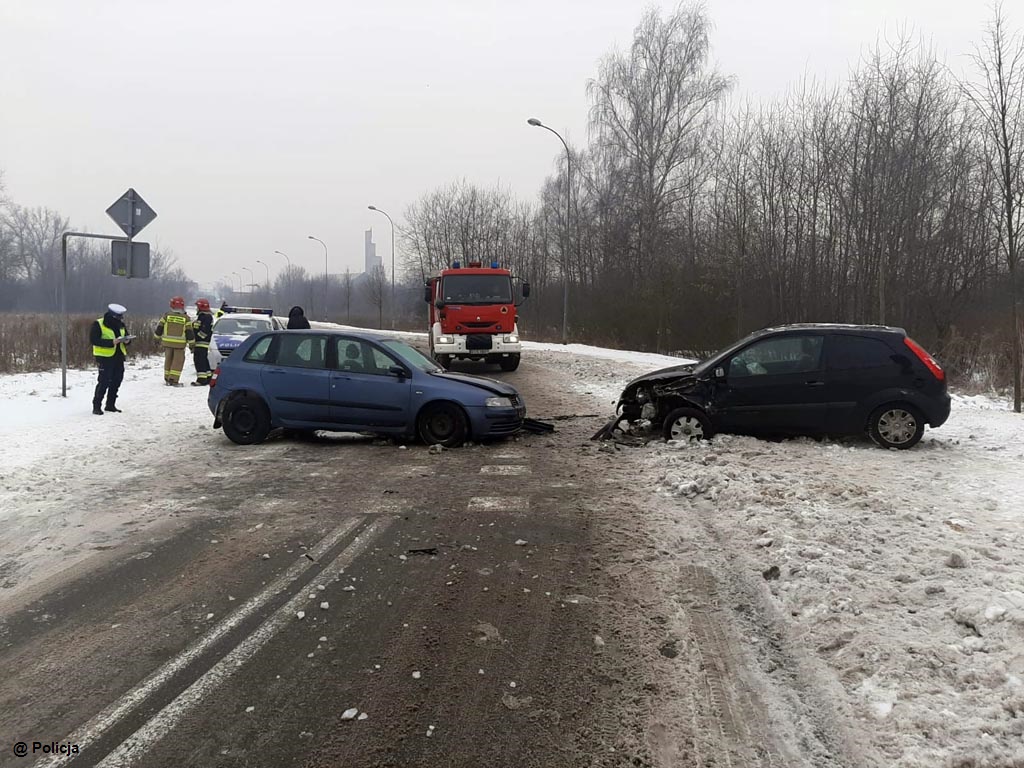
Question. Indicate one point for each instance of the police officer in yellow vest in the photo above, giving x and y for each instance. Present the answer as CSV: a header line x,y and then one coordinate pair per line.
x,y
174,332
109,347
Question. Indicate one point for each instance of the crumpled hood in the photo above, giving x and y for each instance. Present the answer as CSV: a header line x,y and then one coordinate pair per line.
x,y
491,385
680,372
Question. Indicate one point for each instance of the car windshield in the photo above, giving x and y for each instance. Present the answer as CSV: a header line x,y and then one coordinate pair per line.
x,y
242,325
477,289
411,356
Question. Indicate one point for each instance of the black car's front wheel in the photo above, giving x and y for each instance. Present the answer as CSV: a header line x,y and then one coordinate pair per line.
x,y
896,426
444,424
246,420
687,424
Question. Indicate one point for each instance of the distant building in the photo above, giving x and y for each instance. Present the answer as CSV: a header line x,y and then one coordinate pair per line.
x,y
370,257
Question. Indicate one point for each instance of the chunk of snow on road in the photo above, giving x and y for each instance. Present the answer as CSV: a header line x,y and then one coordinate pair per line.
x,y
350,714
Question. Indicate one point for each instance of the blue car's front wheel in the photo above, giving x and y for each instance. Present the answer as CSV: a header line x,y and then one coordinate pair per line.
x,y
444,424
246,420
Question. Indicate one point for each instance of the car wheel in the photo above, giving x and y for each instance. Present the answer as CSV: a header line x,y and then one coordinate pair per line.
x,y
896,426
443,423
509,363
246,420
687,424
445,361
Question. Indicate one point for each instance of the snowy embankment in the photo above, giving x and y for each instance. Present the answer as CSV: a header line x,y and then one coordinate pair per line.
x,y
900,572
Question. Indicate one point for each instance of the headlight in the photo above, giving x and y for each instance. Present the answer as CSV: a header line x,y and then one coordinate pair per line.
x,y
511,339
445,340
498,402
643,396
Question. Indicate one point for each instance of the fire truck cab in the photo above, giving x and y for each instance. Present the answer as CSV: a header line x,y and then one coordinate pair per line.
x,y
473,314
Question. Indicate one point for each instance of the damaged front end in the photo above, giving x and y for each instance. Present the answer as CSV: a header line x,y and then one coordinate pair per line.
x,y
646,401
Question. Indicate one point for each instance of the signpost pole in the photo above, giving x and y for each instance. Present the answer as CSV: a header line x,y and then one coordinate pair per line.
x,y
64,316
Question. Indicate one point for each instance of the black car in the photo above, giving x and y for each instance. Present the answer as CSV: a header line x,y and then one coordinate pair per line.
x,y
807,379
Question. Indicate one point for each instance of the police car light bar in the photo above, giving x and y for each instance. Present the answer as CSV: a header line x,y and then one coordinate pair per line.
x,y
249,310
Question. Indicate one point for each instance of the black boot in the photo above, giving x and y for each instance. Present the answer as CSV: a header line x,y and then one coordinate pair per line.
x,y
96,409
112,408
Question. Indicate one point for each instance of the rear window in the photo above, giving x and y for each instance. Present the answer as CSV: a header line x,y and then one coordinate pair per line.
x,y
242,325
848,353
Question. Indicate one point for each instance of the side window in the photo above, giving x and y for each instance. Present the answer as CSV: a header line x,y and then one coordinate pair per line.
x,y
360,357
778,356
260,352
301,351
848,353
381,361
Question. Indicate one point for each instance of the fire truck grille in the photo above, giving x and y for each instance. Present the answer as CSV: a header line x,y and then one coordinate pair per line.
x,y
478,341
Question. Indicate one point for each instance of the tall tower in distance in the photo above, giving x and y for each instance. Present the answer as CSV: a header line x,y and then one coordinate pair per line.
x,y
370,257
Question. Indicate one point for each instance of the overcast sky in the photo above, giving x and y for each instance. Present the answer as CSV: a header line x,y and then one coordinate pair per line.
x,y
249,125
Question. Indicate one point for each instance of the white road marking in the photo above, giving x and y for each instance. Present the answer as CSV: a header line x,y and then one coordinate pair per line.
x,y
136,745
517,456
504,469
499,504
101,723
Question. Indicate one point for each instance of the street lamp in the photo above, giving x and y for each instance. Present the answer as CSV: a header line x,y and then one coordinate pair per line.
x,y
285,257
239,282
326,278
251,278
378,210
568,213
268,274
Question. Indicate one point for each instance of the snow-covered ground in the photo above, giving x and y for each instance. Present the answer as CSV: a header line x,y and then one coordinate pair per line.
x,y
902,572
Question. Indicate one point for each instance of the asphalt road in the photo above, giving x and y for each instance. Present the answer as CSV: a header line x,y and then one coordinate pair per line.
x,y
451,598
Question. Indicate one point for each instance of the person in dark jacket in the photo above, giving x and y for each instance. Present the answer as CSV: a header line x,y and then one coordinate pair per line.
x,y
109,347
297,319
202,330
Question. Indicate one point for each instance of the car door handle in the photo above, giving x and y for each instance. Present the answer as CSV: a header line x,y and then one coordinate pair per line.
x,y
815,383
276,371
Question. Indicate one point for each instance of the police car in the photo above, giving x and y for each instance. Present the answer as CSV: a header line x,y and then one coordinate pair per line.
x,y
236,325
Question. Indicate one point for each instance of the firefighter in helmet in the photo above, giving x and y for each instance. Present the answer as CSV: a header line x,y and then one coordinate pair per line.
x,y
202,328
174,332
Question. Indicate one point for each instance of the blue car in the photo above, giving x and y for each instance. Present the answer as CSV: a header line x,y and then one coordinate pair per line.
x,y
354,382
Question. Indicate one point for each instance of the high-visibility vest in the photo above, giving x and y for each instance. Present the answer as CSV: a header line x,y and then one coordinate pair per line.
x,y
108,333
174,334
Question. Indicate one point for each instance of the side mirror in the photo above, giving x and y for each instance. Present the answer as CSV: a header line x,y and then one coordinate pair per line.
x,y
719,372
399,371
439,304
526,290
426,294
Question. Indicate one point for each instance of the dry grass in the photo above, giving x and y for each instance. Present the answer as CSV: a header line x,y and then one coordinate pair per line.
x,y
31,342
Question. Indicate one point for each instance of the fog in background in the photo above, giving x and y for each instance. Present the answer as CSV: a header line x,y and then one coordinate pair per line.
x,y
250,125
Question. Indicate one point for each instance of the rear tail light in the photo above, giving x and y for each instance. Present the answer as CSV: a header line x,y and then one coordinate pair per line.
x,y
925,358
213,379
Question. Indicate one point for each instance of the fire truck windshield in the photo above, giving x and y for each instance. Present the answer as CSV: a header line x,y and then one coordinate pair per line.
x,y
477,289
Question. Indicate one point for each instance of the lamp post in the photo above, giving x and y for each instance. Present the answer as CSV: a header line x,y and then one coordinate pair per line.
x,y
568,214
378,210
326,278
239,282
268,275
282,253
251,278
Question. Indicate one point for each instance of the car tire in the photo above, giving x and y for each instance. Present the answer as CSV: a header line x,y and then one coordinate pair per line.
x,y
246,420
444,424
509,363
445,361
896,425
687,423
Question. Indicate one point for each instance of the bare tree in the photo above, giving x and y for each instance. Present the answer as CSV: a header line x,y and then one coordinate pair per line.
x,y
375,289
999,100
346,292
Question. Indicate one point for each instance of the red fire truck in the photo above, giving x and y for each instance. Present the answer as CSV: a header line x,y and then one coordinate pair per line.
x,y
473,314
